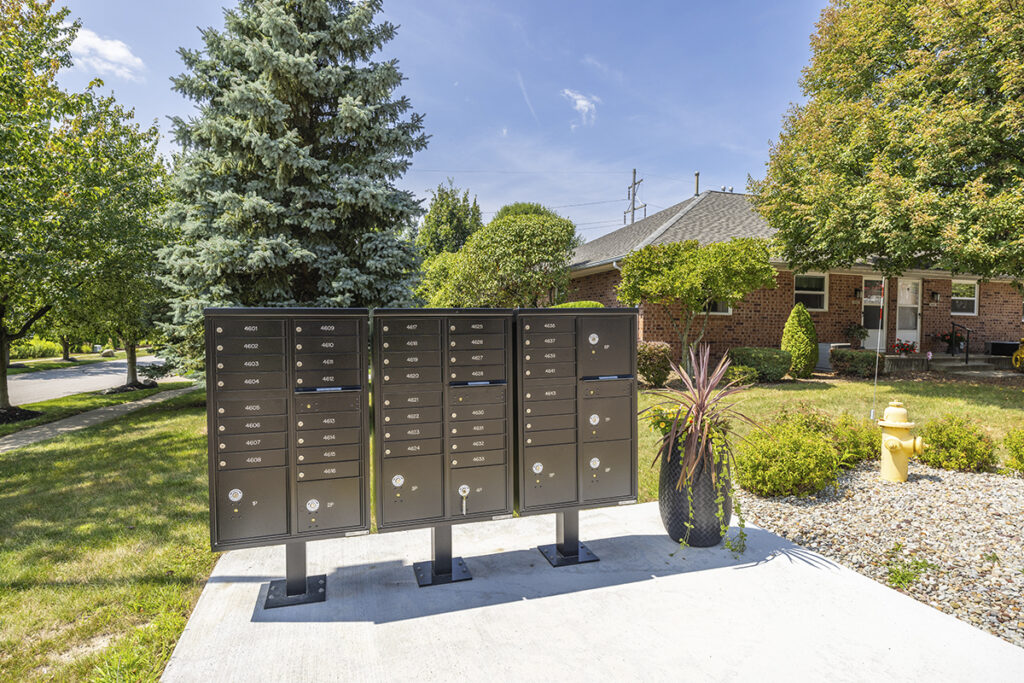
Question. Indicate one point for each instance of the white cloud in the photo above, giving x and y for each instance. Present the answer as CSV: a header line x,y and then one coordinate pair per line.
x,y
106,56
504,132
585,105
526,98
606,70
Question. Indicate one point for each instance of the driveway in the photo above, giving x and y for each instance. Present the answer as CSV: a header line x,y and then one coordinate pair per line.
x,y
42,386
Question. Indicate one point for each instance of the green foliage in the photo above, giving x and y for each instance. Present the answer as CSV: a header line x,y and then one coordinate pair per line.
x,y
654,362
285,191
34,348
953,442
741,374
902,152
785,458
694,277
524,209
856,440
449,222
519,261
579,304
800,339
1014,445
771,364
856,363
904,572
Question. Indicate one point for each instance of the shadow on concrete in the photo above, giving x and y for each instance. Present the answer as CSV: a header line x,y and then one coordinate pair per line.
x,y
384,592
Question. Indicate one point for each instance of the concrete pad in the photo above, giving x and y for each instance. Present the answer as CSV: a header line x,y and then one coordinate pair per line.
x,y
646,611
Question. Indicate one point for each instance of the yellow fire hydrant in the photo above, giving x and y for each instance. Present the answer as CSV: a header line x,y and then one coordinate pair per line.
x,y
897,443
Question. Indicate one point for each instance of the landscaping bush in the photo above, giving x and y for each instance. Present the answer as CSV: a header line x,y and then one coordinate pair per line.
x,y
34,348
800,339
741,374
1014,445
956,443
856,440
771,364
855,363
579,304
654,362
784,458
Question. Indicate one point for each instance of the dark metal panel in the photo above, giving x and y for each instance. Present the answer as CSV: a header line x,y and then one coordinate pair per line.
x,y
402,342
477,357
607,469
328,470
606,419
248,346
607,388
329,504
477,427
252,424
566,406
467,395
484,489
405,397
549,476
549,341
328,327
315,454
476,373
465,342
249,459
416,430
324,379
418,375
535,356
408,326
328,402
553,436
544,422
250,363
548,390
477,412
476,325
405,359
251,442
253,327
246,381
251,503
307,421
411,489
546,370
477,458
315,345
549,324
396,449
606,346
310,361
400,416
326,437
248,406
464,444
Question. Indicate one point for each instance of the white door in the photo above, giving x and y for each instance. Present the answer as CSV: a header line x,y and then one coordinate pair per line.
x,y
908,311
873,313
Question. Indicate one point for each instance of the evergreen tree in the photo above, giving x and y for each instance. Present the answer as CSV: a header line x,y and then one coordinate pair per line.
x,y
801,341
449,222
284,189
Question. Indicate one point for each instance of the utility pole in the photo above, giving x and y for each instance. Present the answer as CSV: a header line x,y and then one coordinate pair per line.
x,y
631,196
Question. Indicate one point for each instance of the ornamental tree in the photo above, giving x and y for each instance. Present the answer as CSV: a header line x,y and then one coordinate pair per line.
x,y
285,187
696,278
450,220
908,151
524,209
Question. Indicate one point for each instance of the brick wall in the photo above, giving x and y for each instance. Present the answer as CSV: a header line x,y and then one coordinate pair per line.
x,y
598,287
998,318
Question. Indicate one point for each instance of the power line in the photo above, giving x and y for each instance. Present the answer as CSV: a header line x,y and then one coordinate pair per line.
x,y
566,206
508,171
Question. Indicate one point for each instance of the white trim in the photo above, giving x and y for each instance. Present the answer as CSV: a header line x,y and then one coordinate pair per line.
x,y
953,297
883,331
920,306
808,291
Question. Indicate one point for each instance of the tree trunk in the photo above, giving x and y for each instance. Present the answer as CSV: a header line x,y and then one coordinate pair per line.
x,y
65,349
5,356
130,356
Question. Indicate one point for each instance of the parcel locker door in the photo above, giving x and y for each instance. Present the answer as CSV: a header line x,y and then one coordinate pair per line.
x,y
607,469
328,504
549,476
411,489
481,488
604,345
606,419
251,503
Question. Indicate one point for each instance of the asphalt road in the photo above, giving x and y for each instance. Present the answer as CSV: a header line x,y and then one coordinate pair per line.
x,y
42,386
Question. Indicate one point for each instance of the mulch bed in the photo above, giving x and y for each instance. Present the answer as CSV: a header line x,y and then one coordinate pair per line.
x,y
17,415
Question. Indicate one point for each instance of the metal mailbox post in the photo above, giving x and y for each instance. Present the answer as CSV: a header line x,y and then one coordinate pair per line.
x,y
443,416
576,432
288,433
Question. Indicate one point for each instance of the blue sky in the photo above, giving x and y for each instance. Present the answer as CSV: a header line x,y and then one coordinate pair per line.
x,y
554,102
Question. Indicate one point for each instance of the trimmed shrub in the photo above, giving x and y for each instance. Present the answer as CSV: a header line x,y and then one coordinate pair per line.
x,y
1014,445
34,348
800,339
856,363
579,304
654,362
784,458
771,364
856,440
956,443
741,374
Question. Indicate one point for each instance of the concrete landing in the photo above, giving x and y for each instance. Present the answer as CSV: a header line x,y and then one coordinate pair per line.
x,y
647,611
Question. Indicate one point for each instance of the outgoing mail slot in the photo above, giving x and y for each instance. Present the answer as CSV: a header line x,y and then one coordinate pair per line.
x,y
401,416
552,324
477,427
252,425
251,442
250,363
405,359
245,460
487,490
406,326
548,476
411,489
249,345
251,503
255,406
420,447
606,346
333,453
477,412
325,328
605,419
401,397
606,388
540,390
341,401
550,437
549,341
607,470
351,344
314,379
476,341
347,361
238,327
544,356
235,381
411,375
332,504
477,458
477,357
402,342
328,470
559,407
307,421
468,444
476,325
473,395
542,423
320,437
476,373
537,371
427,430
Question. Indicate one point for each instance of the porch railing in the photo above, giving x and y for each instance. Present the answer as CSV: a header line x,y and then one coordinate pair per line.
x,y
967,343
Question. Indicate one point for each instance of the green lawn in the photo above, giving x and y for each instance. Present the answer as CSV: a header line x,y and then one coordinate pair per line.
x,y
105,546
59,408
57,363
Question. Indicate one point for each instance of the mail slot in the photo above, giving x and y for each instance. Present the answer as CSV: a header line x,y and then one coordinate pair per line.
x,y
607,346
430,430
325,328
539,370
247,381
251,442
476,341
544,356
399,416
247,459
405,359
401,342
478,458
249,328
249,346
536,390
250,407
328,470
251,503
607,470
559,407
315,379
476,325
477,427
307,421
323,403
411,490
411,326
250,363
412,376
332,453
252,424
605,419
549,341
317,437
476,373
346,361
549,476
406,397
473,395
331,504
477,412
477,357
420,447
328,345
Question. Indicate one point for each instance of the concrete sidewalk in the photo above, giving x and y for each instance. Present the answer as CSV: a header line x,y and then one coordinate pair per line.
x,y
646,611
72,424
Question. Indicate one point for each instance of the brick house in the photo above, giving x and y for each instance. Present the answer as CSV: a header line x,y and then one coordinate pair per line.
x,y
919,306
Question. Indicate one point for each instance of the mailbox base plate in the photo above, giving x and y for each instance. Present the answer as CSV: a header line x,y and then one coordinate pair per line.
x,y
277,595
557,559
425,575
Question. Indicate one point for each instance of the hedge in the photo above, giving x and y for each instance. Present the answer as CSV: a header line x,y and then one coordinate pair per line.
x,y
579,304
771,364
856,363
800,339
654,362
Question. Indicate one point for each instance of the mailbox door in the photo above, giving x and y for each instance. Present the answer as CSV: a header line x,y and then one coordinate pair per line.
x,y
252,503
606,419
328,504
411,489
606,468
605,345
549,476
484,489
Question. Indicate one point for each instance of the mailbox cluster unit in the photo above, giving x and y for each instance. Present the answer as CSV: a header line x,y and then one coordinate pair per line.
x,y
476,412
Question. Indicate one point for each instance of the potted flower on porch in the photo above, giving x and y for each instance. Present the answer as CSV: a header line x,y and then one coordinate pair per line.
x,y
904,347
695,482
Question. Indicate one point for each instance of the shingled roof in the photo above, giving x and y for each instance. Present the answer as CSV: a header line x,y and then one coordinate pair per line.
x,y
711,216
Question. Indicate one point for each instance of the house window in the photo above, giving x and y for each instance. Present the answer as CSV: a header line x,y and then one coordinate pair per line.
x,y
718,308
965,298
811,291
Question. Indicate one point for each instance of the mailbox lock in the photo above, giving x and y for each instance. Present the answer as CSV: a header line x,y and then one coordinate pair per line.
x,y
387,378
302,475
312,504
527,373
220,410
300,423
387,419
221,428
219,347
529,426
223,463
397,480
527,327
220,383
464,492
220,329
235,495
298,363
386,345
538,467
298,329
595,463
385,328
595,419
593,338
220,366
298,347
387,361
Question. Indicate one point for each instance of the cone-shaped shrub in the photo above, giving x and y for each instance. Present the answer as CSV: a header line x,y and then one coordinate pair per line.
x,y
799,338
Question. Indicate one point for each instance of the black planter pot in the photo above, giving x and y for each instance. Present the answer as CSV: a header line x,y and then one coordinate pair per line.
x,y
675,509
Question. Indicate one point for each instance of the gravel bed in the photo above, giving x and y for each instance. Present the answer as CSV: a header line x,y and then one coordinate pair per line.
x,y
961,534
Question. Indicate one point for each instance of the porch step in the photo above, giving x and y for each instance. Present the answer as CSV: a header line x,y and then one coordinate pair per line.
x,y
960,366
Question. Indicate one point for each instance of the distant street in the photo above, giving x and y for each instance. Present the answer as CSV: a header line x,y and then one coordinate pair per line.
x,y
42,386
